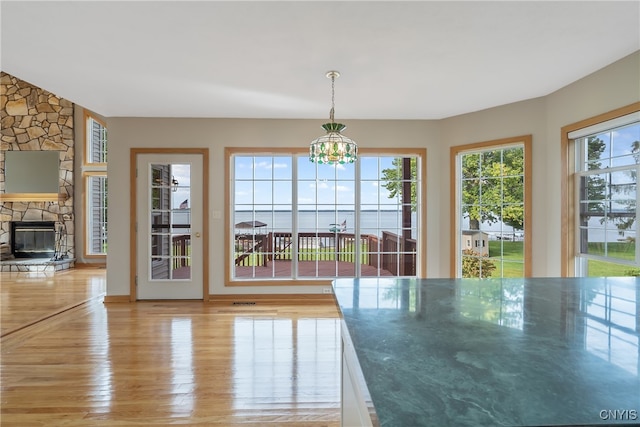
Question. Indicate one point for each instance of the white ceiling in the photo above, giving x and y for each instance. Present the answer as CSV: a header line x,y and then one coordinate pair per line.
x,y
398,60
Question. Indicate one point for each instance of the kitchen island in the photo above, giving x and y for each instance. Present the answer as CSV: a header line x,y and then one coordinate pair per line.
x,y
490,352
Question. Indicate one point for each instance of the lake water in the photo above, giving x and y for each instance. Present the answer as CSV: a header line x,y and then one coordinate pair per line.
x,y
371,222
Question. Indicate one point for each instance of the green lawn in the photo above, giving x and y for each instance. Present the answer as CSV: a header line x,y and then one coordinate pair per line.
x,y
620,250
508,264
316,254
512,259
511,262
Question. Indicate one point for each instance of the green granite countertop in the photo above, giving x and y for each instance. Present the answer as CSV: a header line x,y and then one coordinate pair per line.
x,y
492,352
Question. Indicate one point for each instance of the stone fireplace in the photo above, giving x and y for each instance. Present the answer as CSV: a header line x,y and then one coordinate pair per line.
x,y
37,120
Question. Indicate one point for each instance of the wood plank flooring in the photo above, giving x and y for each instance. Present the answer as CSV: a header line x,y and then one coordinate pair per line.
x,y
27,298
161,363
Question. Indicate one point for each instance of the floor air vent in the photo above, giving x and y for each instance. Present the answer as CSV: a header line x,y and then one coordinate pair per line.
x,y
243,303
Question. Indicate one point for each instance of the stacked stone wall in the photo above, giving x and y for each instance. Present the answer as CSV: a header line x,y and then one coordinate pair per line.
x,y
34,119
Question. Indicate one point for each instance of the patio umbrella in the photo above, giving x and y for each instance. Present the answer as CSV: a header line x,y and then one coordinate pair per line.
x,y
250,224
246,225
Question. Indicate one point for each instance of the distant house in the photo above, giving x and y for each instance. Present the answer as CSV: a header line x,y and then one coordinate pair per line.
x,y
476,240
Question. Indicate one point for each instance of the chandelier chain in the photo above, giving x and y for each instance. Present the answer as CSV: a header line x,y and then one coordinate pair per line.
x,y
333,97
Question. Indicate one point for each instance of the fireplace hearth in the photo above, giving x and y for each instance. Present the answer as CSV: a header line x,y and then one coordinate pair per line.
x,y
33,239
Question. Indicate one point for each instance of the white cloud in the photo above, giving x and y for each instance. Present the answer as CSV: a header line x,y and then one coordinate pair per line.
x,y
262,165
182,172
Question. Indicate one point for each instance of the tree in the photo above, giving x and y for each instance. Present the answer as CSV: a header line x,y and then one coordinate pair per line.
x,y
393,178
594,188
476,265
626,222
493,187
492,190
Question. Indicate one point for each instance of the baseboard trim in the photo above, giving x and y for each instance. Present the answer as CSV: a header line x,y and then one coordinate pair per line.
x,y
99,265
116,298
272,299
248,299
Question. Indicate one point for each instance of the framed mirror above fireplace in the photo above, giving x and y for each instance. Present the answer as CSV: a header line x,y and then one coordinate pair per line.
x,y
31,176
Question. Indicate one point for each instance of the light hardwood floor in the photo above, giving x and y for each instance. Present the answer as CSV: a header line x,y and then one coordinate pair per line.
x,y
68,359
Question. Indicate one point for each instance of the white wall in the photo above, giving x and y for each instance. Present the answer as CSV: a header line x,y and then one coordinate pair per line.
x,y
615,86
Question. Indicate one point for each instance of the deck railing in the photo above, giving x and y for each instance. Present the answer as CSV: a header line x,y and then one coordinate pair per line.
x,y
318,246
181,250
387,252
399,260
251,249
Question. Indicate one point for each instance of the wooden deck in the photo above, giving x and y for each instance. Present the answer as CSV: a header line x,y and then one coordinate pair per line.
x,y
306,269
309,269
69,359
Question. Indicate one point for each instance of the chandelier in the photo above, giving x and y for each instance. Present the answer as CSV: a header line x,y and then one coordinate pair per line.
x,y
333,147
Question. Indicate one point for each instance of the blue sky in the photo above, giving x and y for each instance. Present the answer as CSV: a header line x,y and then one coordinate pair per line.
x,y
619,143
268,181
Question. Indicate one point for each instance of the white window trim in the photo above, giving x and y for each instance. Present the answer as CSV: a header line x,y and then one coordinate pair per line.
x,y
605,126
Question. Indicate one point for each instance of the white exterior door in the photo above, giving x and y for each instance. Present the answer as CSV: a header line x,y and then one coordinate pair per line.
x,y
169,226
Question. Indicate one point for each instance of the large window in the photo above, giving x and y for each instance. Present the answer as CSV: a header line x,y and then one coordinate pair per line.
x,y
492,189
95,185
293,219
607,162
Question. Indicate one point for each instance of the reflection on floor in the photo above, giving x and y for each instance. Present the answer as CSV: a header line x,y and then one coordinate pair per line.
x,y
158,363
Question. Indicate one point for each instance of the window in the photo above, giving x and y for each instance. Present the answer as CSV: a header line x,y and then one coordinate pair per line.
x,y
607,163
96,141
492,189
296,220
95,184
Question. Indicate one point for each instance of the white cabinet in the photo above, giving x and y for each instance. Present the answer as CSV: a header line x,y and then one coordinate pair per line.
x,y
357,408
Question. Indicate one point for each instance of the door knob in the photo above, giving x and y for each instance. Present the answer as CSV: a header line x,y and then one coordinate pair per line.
x,y
198,234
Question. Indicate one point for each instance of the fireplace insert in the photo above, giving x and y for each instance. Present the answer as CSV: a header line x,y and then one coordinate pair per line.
x,y
33,239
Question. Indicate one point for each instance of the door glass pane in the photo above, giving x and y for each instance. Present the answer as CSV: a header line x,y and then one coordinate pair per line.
x,y
170,222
